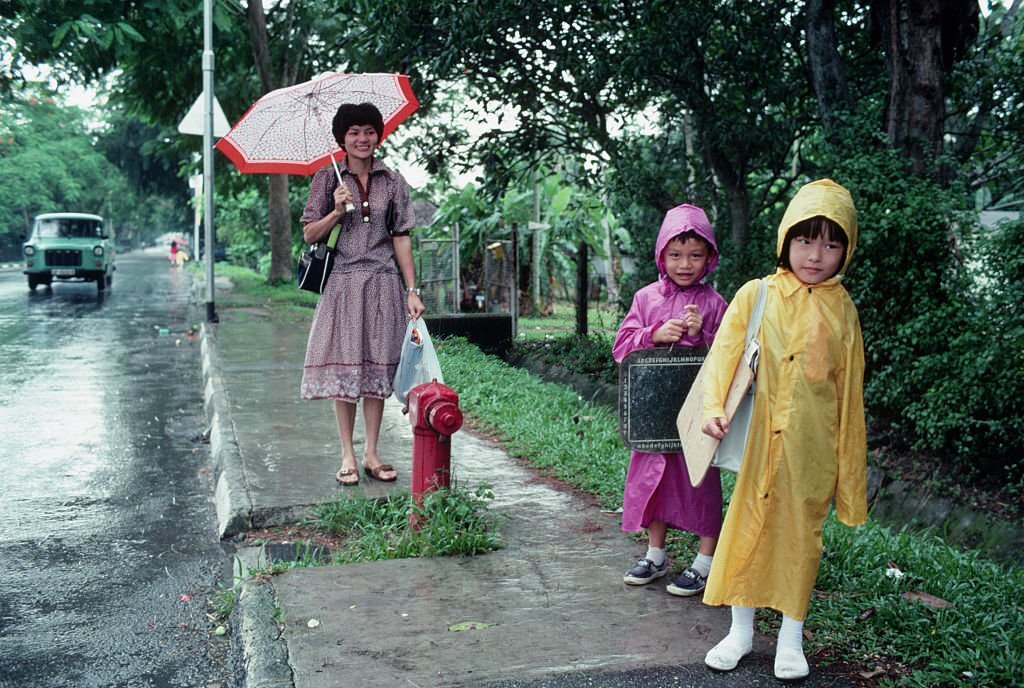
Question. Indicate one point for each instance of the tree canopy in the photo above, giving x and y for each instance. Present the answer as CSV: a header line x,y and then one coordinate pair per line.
x,y
48,162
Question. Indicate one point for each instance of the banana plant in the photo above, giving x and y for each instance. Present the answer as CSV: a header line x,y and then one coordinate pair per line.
x,y
568,216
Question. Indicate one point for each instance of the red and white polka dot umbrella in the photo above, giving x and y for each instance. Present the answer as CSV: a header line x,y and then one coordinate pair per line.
x,y
289,130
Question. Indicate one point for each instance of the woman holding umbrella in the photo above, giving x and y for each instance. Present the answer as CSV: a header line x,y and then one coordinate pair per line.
x,y
356,336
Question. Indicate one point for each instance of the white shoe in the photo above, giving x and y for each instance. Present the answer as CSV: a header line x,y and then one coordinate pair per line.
x,y
790,665
727,654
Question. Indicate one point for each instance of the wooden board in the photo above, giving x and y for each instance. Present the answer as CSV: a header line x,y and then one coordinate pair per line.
x,y
652,385
699,449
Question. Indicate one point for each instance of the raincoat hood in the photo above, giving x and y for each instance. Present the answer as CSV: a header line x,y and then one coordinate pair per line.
x,y
685,218
828,199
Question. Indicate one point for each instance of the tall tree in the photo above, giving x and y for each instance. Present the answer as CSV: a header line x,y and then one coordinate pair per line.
x,y
828,76
922,39
293,39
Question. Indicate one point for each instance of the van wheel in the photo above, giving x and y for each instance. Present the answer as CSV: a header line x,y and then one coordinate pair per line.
x,y
33,282
101,283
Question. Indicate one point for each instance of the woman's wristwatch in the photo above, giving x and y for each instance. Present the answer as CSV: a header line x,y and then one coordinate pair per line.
x,y
412,290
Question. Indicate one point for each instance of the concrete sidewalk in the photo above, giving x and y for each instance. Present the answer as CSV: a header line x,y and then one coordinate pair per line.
x,y
553,597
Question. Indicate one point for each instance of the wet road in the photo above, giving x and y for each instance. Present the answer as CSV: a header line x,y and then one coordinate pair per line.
x,y
108,542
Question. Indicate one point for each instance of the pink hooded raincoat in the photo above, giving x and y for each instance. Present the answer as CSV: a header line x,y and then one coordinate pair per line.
x,y
657,485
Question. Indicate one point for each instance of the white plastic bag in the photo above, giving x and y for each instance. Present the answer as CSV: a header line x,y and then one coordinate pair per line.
x,y
418,364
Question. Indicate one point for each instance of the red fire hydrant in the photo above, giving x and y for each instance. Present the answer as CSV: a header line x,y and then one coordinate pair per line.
x,y
435,416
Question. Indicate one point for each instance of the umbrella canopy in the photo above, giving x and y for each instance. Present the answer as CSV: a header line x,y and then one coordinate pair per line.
x,y
288,131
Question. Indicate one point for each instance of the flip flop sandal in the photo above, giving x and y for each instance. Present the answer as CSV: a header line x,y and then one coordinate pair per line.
x,y
346,473
376,472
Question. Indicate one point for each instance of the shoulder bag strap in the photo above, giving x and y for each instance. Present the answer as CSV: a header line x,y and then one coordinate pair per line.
x,y
752,347
754,324
332,240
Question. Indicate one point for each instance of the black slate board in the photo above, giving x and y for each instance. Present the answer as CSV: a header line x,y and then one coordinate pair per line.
x,y
652,386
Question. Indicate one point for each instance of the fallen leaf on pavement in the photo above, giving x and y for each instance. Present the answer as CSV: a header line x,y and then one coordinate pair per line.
x,y
469,626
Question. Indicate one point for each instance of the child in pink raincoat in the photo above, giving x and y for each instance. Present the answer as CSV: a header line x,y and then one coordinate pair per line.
x,y
680,309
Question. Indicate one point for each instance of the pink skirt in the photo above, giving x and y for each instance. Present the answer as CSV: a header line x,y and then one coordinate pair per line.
x,y
658,489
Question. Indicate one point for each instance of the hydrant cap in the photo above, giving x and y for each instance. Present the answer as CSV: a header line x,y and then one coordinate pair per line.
x,y
445,418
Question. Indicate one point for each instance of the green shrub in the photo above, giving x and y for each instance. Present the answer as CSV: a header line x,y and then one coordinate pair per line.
x,y
973,403
943,340
590,355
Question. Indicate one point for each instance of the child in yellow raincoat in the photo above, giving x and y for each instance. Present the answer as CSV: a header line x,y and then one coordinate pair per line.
x,y
807,444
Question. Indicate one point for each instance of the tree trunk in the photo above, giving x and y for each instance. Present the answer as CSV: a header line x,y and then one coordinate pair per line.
x,y
278,208
922,39
582,288
280,229
917,108
739,215
827,75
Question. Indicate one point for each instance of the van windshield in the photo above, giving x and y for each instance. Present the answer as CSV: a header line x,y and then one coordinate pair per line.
x,y
69,228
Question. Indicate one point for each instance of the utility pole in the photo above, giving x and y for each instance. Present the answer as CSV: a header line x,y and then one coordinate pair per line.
x,y
211,312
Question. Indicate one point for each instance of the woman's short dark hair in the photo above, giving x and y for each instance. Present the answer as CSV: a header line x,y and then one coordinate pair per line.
x,y
350,115
812,228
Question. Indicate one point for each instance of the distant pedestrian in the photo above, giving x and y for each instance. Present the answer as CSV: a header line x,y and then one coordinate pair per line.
x,y
181,257
173,255
356,336
807,440
679,309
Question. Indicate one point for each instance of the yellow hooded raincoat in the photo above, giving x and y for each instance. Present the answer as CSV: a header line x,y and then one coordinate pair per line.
x,y
807,441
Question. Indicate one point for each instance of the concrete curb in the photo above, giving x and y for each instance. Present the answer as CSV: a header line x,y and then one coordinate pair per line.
x,y
258,643
263,649
232,498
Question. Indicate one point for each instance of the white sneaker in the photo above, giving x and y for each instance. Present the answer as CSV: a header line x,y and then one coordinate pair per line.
x,y
790,665
727,654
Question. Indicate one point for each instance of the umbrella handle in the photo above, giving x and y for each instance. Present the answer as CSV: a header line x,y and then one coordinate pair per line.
x,y
348,206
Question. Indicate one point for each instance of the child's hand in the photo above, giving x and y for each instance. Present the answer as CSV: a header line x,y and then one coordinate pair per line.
x,y
692,320
669,333
716,427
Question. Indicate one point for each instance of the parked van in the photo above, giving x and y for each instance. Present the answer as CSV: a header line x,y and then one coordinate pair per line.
x,y
69,246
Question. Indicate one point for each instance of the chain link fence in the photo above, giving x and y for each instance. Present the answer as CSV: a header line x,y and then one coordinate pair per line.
x,y
499,276
439,278
438,272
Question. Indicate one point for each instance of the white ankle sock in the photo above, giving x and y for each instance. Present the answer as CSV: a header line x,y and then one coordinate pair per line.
x,y
702,564
730,650
790,662
656,554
